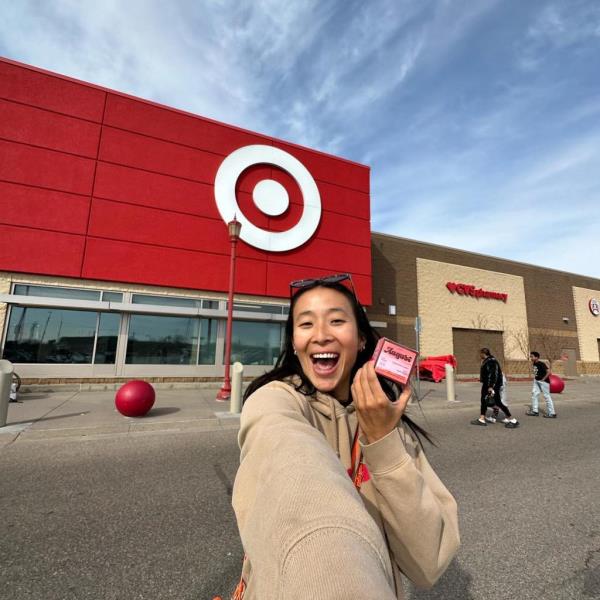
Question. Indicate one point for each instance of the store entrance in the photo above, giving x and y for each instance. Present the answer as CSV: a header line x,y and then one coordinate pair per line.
x,y
468,343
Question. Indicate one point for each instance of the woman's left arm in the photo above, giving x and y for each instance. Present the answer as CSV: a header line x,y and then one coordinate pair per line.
x,y
420,515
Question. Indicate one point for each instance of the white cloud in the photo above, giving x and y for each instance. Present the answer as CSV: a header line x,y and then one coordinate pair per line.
x,y
559,26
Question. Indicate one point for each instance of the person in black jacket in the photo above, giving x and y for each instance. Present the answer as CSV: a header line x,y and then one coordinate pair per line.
x,y
490,376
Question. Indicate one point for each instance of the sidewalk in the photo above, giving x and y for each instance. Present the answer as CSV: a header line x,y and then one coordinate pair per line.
x,y
71,413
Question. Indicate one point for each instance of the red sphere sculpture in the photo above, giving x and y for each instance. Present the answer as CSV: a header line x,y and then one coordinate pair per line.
x,y
135,398
557,385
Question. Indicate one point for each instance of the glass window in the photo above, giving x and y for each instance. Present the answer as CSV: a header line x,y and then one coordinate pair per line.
x,y
255,343
56,292
108,332
162,340
214,304
208,341
49,335
166,301
112,296
261,308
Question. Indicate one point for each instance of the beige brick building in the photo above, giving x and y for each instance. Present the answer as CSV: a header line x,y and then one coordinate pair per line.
x,y
466,301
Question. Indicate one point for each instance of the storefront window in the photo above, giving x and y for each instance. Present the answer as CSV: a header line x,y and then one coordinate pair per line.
x,y
108,332
112,296
56,292
208,341
275,309
255,343
166,301
48,335
155,340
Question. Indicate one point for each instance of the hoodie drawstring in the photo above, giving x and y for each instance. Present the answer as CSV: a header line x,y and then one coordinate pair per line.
x,y
335,425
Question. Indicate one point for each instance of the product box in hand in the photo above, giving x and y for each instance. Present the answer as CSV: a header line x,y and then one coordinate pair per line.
x,y
394,361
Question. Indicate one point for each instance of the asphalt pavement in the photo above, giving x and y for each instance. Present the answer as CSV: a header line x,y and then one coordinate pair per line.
x,y
97,505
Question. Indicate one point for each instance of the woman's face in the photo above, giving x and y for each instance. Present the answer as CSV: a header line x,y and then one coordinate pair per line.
x,y
326,339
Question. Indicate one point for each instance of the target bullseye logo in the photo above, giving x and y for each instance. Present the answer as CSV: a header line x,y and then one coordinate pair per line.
x,y
269,196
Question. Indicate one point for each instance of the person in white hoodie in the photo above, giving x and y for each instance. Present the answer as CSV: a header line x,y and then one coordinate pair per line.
x,y
334,496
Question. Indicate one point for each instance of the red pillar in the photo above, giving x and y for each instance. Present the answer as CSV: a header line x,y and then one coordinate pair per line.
x,y
225,391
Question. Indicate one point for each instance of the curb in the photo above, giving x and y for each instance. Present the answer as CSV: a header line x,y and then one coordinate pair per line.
x,y
130,426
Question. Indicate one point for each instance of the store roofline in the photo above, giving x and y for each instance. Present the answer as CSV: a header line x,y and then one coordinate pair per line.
x,y
479,254
187,113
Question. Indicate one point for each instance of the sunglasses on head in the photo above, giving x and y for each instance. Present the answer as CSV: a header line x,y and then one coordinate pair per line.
x,y
313,282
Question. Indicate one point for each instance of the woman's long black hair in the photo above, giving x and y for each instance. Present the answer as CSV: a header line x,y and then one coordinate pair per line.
x,y
288,365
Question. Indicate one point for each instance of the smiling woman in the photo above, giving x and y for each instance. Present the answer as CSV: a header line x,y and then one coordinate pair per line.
x,y
322,414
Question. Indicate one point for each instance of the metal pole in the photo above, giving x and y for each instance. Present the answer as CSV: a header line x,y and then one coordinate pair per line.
x,y
450,395
6,371
225,391
418,349
235,406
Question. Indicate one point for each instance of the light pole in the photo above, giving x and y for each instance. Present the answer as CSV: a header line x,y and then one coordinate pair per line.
x,y
234,228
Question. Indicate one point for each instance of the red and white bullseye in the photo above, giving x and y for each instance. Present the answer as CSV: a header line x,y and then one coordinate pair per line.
x,y
269,196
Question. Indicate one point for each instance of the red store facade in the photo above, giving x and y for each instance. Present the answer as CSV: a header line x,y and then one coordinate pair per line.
x,y
114,252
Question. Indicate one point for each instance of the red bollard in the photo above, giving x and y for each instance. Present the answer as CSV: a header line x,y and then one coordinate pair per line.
x,y
135,398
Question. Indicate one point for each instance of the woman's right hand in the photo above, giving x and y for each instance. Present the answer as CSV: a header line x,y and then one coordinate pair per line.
x,y
377,415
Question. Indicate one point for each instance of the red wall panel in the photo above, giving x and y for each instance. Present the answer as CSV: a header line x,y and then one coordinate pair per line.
x,y
176,126
133,150
44,90
328,168
280,275
138,263
345,200
29,125
144,176
323,254
27,249
113,220
45,168
342,228
43,209
134,186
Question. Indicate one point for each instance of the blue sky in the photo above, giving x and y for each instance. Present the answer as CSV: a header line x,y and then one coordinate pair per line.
x,y
480,119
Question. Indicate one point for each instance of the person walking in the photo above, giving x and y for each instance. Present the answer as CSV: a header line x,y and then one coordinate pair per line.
x,y
491,377
493,418
541,383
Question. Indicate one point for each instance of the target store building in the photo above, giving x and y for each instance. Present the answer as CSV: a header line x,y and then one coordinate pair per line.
x,y
114,249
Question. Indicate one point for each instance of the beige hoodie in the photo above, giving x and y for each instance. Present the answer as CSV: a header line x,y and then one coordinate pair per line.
x,y
304,526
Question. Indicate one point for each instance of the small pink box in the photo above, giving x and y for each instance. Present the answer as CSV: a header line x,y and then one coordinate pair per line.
x,y
394,361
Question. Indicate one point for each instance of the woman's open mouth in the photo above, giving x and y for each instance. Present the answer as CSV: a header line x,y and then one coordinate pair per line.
x,y
325,363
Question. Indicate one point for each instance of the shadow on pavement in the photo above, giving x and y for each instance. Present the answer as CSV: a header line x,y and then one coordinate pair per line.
x,y
454,583
163,410
35,420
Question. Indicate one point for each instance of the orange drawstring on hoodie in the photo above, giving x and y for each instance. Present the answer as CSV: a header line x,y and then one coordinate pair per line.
x,y
358,467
